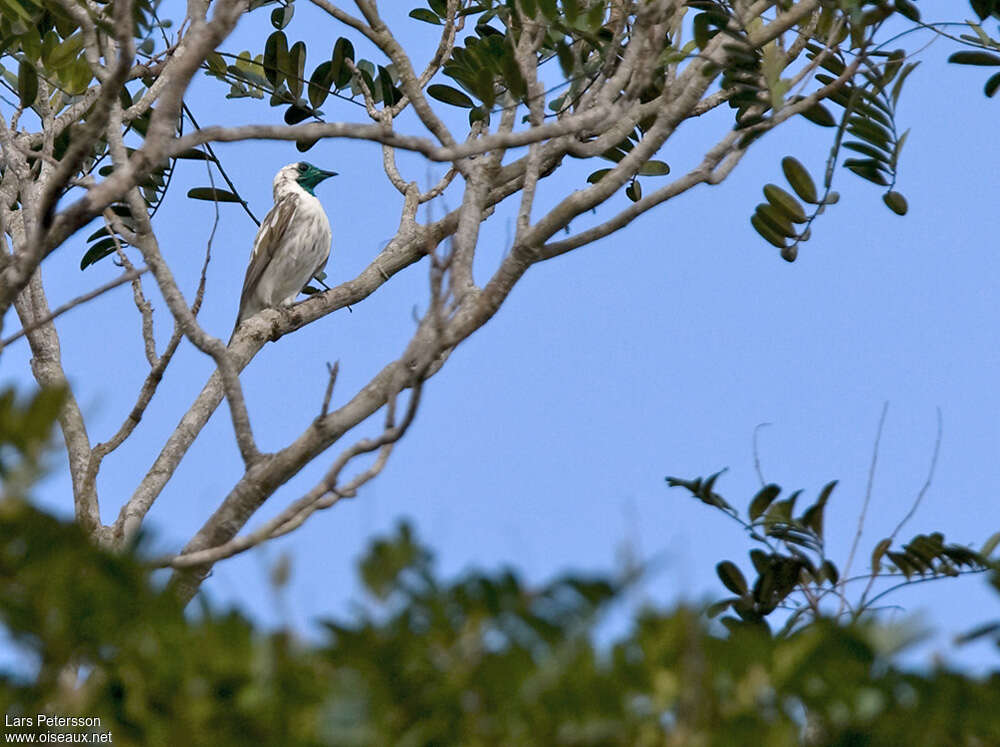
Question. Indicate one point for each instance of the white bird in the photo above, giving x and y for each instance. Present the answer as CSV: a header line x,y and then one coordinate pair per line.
x,y
292,244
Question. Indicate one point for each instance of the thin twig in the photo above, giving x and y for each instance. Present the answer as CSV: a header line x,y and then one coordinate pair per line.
x,y
756,453
120,280
927,483
868,497
333,371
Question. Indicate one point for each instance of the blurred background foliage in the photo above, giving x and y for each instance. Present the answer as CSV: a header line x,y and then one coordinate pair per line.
x,y
481,659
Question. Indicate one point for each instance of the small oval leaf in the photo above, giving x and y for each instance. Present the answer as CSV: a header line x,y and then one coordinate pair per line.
x,y
799,178
425,15
895,202
762,500
654,168
212,195
27,83
731,577
449,95
987,59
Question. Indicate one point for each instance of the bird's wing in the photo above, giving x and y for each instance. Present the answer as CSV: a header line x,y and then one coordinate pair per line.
x,y
267,243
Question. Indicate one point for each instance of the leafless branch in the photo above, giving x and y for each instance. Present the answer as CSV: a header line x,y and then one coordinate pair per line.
x,y
126,277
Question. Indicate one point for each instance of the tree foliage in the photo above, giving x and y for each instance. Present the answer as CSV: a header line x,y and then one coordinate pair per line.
x,y
483,658
98,117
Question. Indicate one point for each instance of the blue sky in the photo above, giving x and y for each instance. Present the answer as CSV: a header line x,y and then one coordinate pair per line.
x,y
545,440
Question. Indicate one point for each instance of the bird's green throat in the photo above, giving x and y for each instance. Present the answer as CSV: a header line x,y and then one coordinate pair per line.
x,y
310,176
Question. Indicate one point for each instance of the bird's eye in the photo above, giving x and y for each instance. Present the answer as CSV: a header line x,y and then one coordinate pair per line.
x,y
303,167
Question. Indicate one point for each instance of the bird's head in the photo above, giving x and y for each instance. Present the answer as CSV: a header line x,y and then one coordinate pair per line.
x,y
304,174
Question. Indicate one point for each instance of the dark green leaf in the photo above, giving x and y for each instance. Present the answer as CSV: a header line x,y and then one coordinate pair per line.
x,y
97,252
598,175
425,15
341,73
731,577
634,191
776,219
992,85
908,10
212,195
295,73
654,168
281,17
276,62
769,234
295,114
785,203
818,114
449,95
194,154
975,58
763,499
868,169
878,552
869,150
813,516
895,202
319,84
799,178
27,83
549,9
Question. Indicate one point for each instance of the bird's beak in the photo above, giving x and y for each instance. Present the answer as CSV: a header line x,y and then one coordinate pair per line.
x,y
326,174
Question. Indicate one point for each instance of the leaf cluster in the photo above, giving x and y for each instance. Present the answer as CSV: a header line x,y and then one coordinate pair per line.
x,y
479,659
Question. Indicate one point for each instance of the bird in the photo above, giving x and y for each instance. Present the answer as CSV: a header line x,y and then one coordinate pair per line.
x,y
292,244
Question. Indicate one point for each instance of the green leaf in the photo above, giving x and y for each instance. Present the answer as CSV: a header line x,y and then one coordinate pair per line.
x,y
303,145
654,168
975,58
549,9
212,195
776,219
799,178
990,545
390,94
765,496
598,175
295,114
768,233
276,62
992,85
97,252
869,169
869,150
895,202
819,114
813,516
341,73
77,76
427,16
878,552
449,95
785,203
27,83
296,70
908,10
634,191
281,17
319,84
67,51
897,87
731,577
